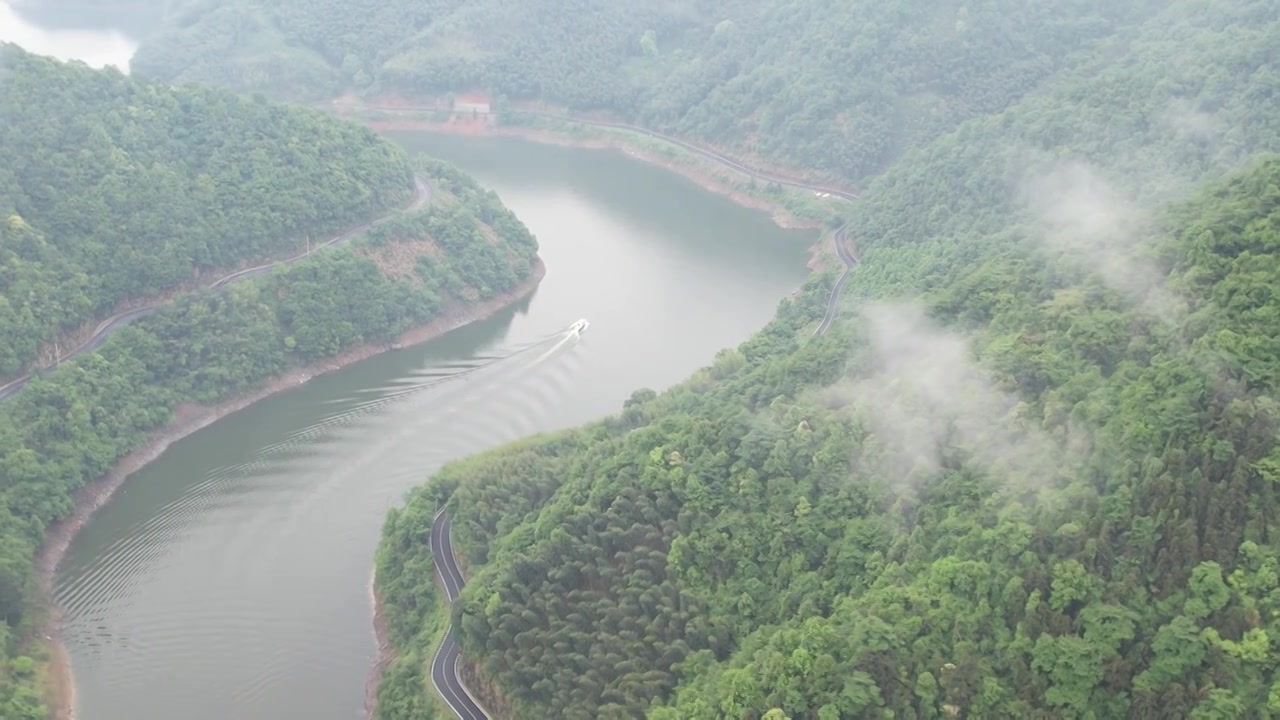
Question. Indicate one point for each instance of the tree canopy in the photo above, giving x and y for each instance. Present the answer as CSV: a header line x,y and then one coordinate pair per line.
x,y
1043,487
114,189
839,88
124,188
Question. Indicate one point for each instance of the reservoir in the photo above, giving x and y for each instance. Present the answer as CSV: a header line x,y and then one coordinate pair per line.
x,y
230,578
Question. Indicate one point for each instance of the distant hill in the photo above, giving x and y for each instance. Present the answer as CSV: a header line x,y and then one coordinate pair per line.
x,y
1030,473
838,87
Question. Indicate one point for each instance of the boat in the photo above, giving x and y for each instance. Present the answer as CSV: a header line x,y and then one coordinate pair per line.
x,y
578,326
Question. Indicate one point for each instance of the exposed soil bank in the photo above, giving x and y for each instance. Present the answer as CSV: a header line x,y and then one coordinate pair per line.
x,y
188,418
822,256
695,169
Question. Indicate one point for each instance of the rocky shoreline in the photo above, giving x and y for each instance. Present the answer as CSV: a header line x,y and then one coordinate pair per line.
x,y
190,418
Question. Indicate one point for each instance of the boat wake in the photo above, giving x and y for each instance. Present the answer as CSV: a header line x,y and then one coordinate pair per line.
x,y
489,367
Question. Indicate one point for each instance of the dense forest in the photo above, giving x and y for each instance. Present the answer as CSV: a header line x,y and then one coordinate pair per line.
x,y
69,426
115,189
841,88
1031,474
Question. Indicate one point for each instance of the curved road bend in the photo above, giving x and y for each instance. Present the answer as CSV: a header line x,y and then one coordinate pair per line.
x,y
849,259
444,666
421,196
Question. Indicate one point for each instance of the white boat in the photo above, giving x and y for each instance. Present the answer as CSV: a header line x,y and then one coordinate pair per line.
x,y
579,325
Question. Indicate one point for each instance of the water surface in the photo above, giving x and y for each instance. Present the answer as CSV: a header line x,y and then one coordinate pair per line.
x,y
229,579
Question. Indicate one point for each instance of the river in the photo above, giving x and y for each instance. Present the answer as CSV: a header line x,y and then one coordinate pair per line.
x,y
230,578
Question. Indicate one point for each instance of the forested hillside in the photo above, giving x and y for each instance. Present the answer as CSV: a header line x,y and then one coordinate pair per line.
x,y
115,189
840,88
70,426
1031,474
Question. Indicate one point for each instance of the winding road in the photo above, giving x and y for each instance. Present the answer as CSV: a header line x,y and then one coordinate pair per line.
x,y
849,259
445,677
421,196
444,666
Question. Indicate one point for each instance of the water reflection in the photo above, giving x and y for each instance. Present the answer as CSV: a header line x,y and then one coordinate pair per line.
x,y
96,47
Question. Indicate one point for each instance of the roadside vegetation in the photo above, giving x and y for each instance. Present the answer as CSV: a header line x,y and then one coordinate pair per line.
x,y
114,190
1030,473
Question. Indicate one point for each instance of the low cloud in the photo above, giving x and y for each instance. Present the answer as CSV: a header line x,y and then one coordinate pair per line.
x,y
1079,214
927,403
1189,122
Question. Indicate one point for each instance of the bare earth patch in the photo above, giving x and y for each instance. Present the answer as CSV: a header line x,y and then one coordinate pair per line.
x,y
397,260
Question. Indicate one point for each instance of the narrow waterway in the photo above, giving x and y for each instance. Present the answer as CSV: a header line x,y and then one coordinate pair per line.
x,y
229,579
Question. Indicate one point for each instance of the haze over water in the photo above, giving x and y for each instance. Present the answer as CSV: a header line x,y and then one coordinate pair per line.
x,y
229,579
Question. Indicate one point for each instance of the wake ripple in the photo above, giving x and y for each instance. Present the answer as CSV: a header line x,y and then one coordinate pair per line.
x,y
216,580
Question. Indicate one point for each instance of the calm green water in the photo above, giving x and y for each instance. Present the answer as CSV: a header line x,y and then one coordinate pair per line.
x,y
229,579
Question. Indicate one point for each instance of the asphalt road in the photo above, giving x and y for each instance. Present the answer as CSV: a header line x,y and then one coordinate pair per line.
x,y
422,195
444,666
849,260
698,150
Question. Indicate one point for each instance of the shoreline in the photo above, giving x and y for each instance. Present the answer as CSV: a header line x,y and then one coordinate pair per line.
x,y
188,419
386,651
386,654
689,170
820,252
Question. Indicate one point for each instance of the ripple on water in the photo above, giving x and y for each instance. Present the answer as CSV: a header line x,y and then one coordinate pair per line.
x,y
258,517
374,400
550,381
